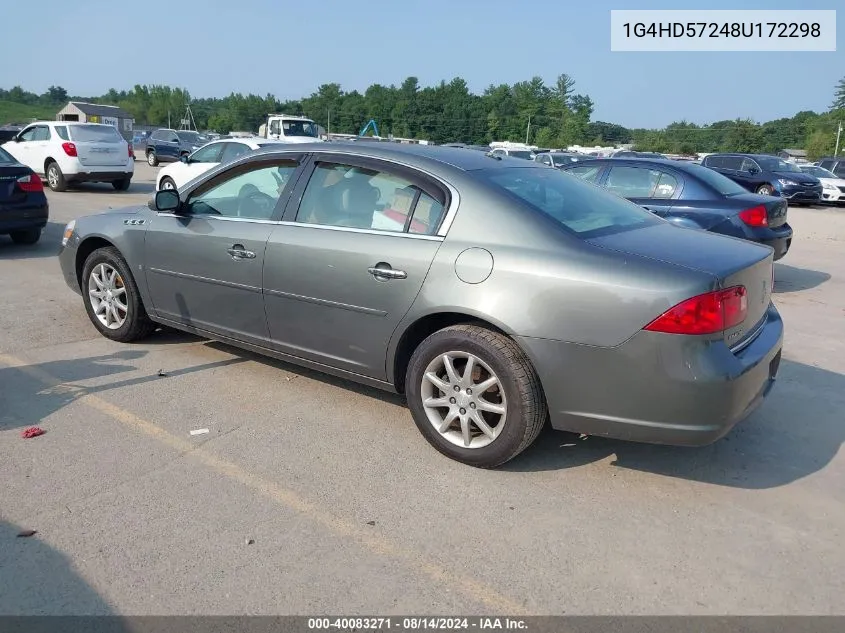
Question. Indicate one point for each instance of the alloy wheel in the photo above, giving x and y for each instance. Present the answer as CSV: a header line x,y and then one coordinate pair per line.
x,y
463,399
107,295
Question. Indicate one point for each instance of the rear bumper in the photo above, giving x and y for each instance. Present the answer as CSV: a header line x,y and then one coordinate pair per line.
x,y
99,176
21,218
657,388
779,238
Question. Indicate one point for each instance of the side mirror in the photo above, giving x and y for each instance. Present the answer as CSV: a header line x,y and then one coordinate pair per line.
x,y
184,158
166,200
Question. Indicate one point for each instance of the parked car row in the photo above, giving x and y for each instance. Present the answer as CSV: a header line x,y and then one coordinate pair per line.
x,y
496,294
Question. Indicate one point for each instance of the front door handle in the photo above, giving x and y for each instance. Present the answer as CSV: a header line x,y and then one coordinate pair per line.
x,y
239,252
383,272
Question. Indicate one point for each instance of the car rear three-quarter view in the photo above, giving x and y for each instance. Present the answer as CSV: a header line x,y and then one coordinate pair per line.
x,y
498,295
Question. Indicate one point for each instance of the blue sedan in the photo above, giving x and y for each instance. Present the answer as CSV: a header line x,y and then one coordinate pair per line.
x,y
693,196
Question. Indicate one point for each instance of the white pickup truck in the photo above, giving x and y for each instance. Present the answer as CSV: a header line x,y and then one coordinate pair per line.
x,y
287,128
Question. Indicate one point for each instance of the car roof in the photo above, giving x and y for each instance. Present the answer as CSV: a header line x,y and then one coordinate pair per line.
x,y
680,165
418,154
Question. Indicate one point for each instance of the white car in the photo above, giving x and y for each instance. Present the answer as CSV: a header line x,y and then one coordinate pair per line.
x,y
833,187
175,175
66,152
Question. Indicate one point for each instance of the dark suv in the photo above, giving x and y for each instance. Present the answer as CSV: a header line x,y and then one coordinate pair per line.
x,y
836,165
168,146
768,176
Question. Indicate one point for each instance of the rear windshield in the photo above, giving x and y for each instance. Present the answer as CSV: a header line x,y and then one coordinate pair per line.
x,y
94,133
519,154
6,157
720,183
582,208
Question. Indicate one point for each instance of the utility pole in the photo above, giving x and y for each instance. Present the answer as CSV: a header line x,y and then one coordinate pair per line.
x,y
528,130
329,127
838,134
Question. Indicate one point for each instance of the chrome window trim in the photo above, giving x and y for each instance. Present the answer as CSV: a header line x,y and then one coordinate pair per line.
x,y
347,229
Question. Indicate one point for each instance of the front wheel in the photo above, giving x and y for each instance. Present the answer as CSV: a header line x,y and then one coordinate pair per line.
x,y
111,296
167,183
475,396
765,190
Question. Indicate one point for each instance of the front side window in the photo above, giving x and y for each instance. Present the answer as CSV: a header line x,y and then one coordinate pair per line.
x,y
632,182
251,194
207,154
579,207
356,197
749,165
188,137
28,134
777,164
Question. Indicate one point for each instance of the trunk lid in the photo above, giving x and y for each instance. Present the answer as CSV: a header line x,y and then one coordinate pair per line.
x,y
99,145
731,261
10,193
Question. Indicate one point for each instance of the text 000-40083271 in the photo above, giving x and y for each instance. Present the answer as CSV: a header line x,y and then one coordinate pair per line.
x,y
728,30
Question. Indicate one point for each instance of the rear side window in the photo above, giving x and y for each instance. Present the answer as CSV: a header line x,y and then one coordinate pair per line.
x,y
590,173
61,130
233,150
579,207
362,198
6,157
632,182
95,134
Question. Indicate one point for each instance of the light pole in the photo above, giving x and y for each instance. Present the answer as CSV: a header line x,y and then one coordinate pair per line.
x,y
838,134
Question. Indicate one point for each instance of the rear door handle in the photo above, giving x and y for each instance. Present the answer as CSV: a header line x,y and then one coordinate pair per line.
x,y
383,272
239,252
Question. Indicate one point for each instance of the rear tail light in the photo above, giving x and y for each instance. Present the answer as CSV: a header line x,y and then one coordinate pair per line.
x,y
30,184
755,216
70,149
131,153
709,313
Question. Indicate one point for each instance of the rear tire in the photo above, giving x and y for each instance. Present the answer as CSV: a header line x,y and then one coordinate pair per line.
x,y
55,178
765,190
29,236
152,160
122,185
517,392
136,324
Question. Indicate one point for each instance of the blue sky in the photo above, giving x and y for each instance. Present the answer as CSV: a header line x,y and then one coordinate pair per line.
x,y
214,47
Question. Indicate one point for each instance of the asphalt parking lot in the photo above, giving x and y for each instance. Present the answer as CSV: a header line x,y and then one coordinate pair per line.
x,y
312,495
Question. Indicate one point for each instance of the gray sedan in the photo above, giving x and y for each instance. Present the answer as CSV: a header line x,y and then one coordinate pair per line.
x,y
496,294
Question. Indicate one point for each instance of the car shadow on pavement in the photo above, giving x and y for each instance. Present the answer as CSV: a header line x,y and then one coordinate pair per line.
x,y
105,187
37,580
791,279
29,395
47,246
796,432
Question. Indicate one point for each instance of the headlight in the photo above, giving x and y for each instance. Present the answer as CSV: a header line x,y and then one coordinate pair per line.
x,y
829,186
787,183
68,232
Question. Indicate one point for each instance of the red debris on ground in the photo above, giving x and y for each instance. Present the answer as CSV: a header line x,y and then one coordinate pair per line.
x,y
32,431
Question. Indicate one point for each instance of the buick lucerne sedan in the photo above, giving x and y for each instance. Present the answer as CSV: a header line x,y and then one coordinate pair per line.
x,y
496,294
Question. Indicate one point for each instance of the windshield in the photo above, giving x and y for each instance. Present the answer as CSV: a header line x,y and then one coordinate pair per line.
x,y
720,183
94,133
818,172
299,128
582,208
189,137
770,163
6,157
519,154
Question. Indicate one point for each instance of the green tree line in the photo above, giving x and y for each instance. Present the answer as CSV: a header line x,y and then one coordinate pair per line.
x,y
553,116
